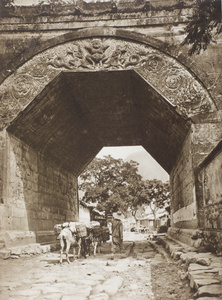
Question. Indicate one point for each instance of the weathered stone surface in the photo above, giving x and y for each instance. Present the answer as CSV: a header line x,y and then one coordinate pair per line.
x,y
84,281
211,290
204,261
14,238
77,297
101,296
204,282
5,254
45,248
199,280
208,298
197,258
112,285
176,255
195,267
210,273
16,250
47,290
97,277
26,293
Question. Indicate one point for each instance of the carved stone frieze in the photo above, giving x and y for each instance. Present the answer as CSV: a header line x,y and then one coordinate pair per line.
x,y
166,75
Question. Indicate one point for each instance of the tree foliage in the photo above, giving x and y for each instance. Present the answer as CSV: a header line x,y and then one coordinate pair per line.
x,y
204,25
114,184
158,195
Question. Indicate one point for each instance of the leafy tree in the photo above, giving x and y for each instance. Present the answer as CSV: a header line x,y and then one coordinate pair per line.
x,y
112,183
204,25
158,195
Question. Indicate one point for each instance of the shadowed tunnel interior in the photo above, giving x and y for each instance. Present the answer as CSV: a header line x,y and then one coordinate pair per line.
x,y
78,114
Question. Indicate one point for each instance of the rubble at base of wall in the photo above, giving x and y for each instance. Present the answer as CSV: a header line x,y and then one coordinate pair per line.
x,y
202,269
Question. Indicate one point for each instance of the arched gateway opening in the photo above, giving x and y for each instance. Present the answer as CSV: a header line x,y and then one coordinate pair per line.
x,y
69,100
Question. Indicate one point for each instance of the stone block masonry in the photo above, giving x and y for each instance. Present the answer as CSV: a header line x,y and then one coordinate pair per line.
x,y
38,194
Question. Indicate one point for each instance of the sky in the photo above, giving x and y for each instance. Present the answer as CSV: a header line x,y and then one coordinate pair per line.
x,y
119,152
148,167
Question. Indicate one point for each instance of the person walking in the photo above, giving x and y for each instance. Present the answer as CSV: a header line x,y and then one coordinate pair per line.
x,y
117,233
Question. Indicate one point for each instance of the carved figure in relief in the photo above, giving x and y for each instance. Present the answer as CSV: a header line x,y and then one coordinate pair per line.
x,y
96,53
117,58
69,61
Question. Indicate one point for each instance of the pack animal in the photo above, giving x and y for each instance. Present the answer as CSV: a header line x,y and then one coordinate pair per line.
x,y
93,240
67,239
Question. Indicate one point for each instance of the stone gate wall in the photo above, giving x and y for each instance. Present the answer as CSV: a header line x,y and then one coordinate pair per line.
x,y
37,193
183,201
50,191
209,193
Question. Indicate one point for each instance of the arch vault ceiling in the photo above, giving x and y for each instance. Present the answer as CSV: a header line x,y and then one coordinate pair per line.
x,y
78,113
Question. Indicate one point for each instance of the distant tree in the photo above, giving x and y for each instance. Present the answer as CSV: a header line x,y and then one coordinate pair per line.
x,y
204,25
158,195
112,183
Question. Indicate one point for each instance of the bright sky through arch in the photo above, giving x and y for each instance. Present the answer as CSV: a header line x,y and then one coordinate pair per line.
x,y
148,167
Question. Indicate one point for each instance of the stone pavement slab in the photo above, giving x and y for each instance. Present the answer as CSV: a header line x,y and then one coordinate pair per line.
x,y
111,285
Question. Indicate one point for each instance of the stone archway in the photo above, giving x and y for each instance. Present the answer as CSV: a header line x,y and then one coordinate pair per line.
x,y
164,73
172,107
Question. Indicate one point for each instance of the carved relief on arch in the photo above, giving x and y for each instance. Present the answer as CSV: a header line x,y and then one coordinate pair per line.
x,y
166,75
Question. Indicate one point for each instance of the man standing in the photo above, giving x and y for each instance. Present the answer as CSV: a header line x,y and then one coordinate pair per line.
x,y
117,232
